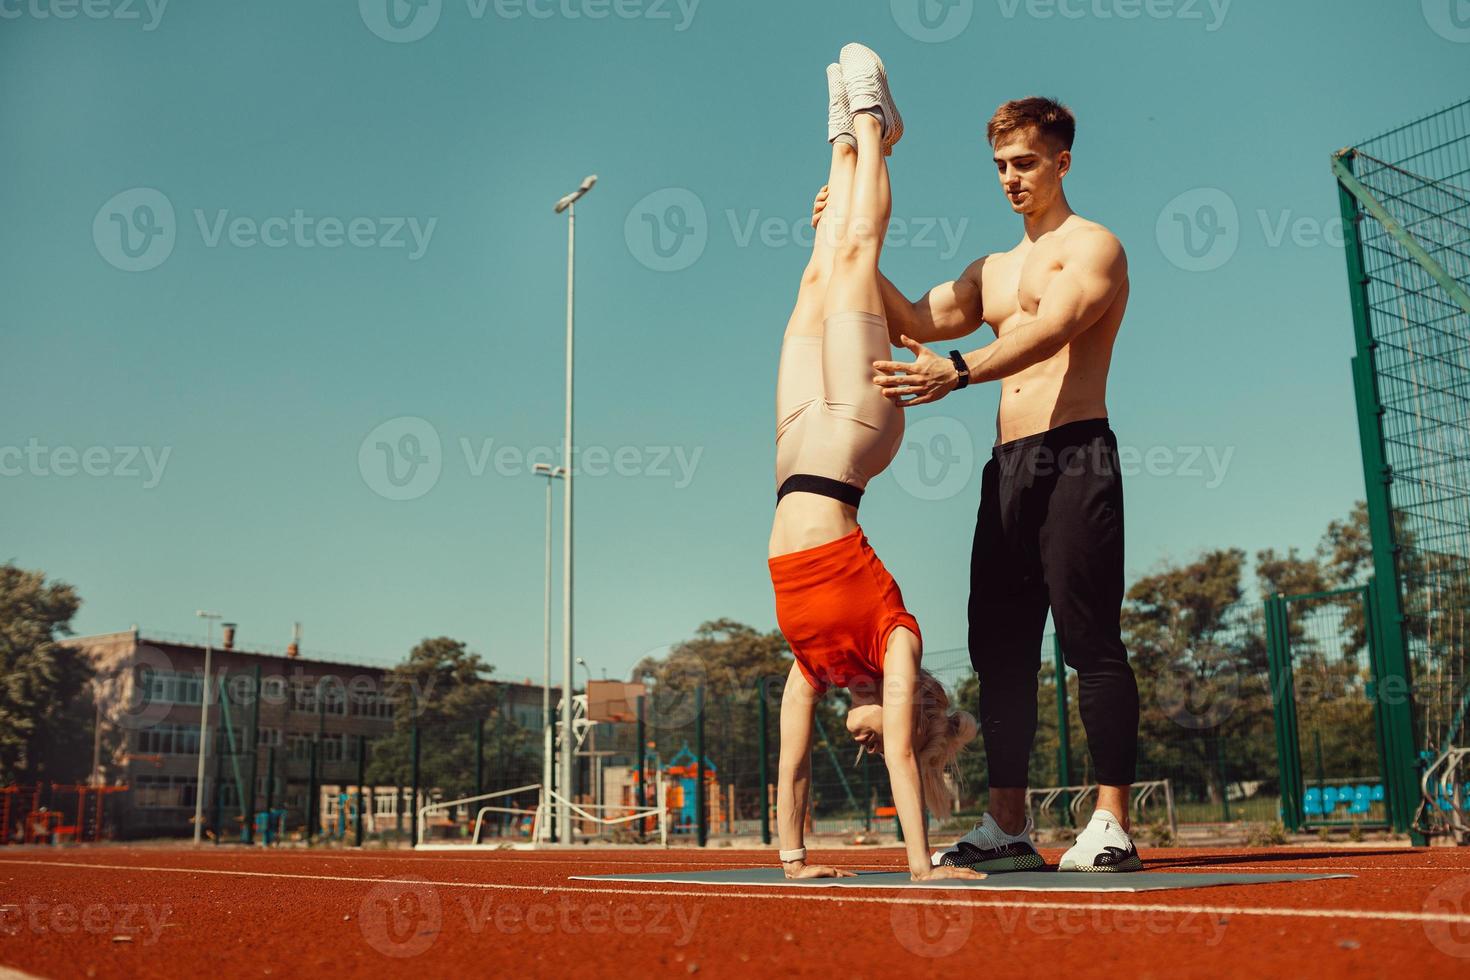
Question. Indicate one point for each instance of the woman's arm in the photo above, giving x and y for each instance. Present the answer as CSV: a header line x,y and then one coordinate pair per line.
x,y
900,684
793,781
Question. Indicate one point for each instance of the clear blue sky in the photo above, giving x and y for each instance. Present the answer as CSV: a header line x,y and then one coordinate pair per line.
x,y
332,130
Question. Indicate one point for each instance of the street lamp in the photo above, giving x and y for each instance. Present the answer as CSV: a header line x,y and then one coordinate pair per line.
x,y
568,747
550,473
209,618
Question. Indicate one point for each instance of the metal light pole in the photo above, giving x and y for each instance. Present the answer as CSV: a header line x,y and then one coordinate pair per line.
x,y
209,618
568,745
547,726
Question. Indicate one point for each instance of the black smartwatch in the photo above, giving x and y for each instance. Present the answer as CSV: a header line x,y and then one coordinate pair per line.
x,y
962,368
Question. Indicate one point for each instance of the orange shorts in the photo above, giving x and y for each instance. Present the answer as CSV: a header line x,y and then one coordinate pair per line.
x,y
837,605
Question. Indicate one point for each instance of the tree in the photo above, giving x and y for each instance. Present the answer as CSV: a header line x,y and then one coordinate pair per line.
x,y
46,709
444,690
735,662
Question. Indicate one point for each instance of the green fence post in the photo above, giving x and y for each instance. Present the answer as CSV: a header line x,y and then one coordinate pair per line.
x,y
701,807
361,788
480,757
1401,765
270,794
219,787
313,792
1064,726
254,745
413,794
640,790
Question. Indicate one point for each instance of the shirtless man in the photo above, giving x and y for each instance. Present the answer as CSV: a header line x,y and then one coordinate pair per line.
x,y
1050,526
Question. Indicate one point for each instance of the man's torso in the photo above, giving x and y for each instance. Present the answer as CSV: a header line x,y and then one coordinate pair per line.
x,y
1069,386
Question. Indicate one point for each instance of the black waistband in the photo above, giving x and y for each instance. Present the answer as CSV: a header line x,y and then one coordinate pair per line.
x,y
1070,433
806,483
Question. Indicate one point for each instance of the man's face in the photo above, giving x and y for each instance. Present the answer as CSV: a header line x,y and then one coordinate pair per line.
x,y
1030,170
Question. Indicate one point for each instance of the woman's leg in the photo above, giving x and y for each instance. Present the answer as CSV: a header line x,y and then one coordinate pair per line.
x,y
806,316
854,283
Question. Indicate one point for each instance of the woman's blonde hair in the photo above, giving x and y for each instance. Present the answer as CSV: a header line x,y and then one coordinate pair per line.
x,y
940,736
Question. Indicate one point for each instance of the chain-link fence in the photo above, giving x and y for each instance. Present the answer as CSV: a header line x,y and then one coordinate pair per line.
x,y
1405,200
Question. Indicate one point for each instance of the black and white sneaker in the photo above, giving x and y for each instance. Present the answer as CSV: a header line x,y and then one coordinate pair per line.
x,y
988,848
1103,845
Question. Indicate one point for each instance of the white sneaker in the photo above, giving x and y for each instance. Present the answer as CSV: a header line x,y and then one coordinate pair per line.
x,y
867,88
839,113
1103,845
988,848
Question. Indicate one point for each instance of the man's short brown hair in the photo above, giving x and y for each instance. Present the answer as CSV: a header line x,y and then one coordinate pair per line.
x,y
1050,118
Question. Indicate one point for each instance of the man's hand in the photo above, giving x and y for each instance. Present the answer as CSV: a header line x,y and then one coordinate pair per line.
x,y
945,872
800,869
927,379
819,205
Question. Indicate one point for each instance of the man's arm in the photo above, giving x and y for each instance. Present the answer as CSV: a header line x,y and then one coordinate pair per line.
x,y
1094,269
949,310
1076,298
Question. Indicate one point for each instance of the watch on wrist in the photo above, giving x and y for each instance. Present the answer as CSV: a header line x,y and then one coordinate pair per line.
x,y
961,367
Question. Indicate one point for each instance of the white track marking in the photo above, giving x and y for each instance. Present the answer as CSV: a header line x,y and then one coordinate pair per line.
x,y
781,895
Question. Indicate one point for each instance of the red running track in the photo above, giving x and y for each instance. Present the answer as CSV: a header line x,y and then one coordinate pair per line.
x,y
233,911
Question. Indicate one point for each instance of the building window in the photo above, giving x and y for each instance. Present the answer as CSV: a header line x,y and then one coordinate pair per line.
x,y
151,792
169,739
372,704
171,686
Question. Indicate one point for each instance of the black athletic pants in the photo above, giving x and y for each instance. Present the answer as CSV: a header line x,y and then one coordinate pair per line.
x,y
1050,535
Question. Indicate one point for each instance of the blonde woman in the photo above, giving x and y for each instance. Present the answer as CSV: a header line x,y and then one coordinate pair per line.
x,y
839,609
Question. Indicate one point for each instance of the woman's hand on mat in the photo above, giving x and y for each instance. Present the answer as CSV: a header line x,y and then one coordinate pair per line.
x,y
799,869
819,205
945,872
927,379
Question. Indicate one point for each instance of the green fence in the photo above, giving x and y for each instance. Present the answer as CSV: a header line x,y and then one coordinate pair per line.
x,y
1405,200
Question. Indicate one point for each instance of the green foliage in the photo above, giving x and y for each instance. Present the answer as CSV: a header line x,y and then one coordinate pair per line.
x,y
1265,835
445,691
46,708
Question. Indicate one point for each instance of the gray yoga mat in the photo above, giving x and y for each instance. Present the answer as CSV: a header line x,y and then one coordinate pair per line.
x,y
1011,881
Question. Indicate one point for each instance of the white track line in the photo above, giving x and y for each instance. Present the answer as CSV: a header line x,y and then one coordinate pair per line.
x,y
783,895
